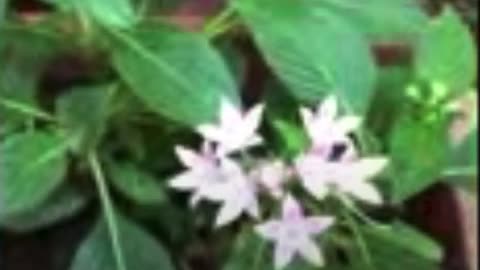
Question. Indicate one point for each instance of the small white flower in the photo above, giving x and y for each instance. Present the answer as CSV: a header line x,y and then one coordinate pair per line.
x,y
293,234
235,131
237,194
320,176
271,175
325,129
204,172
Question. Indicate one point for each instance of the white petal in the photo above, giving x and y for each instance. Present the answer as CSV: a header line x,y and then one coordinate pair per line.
x,y
368,167
229,212
366,192
311,253
348,124
317,189
268,230
317,225
253,118
210,132
185,181
188,157
291,209
314,175
229,113
195,199
252,208
283,255
328,109
308,118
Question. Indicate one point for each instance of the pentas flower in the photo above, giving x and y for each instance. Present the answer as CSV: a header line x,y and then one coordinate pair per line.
x,y
235,130
203,172
325,128
218,180
237,194
320,176
271,175
294,234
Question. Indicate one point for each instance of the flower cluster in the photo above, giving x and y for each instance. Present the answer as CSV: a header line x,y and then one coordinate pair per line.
x,y
213,174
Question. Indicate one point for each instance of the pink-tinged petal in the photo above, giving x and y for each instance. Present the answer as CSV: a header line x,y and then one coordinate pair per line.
x,y
368,167
269,230
253,209
208,150
317,225
195,199
347,124
315,175
185,181
366,192
308,118
311,253
350,154
283,256
328,109
229,113
291,209
227,214
210,132
253,118
188,157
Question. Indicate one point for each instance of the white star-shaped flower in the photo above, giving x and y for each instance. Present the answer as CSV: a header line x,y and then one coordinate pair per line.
x,y
235,130
271,175
320,176
237,194
325,128
203,174
293,234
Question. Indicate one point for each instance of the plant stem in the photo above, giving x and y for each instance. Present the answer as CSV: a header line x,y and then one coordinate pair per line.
x,y
26,109
108,210
219,23
362,245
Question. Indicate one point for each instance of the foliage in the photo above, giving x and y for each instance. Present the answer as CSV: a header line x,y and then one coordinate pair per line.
x,y
155,86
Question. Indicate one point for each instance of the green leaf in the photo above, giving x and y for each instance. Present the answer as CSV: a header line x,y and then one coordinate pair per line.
x,y
23,54
446,53
140,250
114,13
379,19
137,185
397,247
65,203
83,113
418,151
313,53
32,166
177,74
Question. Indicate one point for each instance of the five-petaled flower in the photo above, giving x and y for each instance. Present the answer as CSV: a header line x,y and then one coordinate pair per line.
x,y
325,128
294,234
235,130
319,176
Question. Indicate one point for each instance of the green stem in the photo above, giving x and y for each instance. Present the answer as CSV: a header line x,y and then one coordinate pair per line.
x,y
108,210
26,109
362,245
219,23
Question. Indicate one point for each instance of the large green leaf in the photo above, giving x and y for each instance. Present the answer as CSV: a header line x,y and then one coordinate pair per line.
x,y
140,250
397,247
177,74
23,54
380,19
65,203
115,13
313,53
137,185
83,112
32,166
446,53
418,151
